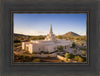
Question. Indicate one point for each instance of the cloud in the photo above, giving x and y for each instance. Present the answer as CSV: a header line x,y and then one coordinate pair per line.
x,y
31,32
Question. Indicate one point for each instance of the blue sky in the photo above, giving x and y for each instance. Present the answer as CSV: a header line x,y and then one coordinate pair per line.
x,y
39,24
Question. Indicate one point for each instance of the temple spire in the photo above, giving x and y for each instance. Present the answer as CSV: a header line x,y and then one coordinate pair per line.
x,y
51,36
51,29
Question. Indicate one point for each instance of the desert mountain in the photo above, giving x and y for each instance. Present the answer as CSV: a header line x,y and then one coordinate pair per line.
x,y
71,34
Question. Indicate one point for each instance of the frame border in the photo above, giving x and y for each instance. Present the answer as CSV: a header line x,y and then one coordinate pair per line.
x,y
92,69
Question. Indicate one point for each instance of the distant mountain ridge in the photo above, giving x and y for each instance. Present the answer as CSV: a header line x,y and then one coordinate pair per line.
x,y
66,34
15,34
71,34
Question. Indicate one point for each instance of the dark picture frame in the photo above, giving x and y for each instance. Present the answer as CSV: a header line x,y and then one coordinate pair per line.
x,y
9,69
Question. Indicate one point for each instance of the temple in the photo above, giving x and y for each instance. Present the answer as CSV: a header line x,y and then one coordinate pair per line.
x,y
51,36
49,44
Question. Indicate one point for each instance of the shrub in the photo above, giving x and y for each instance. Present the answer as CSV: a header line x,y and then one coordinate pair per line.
x,y
67,55
84,59
60,48
17,41
36,60
73,45
48,56
71,56
46,52
27,52
32,57
78,58
84,52
33,52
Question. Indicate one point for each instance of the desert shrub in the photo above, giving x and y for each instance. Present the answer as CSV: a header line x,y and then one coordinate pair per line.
x,y
26,57
33,52
84,59
67,55
60,48
48,56
44,52
23,58
73,45
59,37
32,56
78,58
84,52
36,60
71,56
26,52
17,41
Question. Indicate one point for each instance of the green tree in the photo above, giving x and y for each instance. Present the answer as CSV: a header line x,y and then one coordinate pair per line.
x,y
60,48
17,41
71,56
73,45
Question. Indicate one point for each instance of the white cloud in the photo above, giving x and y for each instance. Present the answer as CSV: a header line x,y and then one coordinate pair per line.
x,y
31,32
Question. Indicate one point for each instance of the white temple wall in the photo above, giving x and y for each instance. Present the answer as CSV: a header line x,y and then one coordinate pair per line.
x,y
41,47
30,48
23,45
51,48
34,48
37,48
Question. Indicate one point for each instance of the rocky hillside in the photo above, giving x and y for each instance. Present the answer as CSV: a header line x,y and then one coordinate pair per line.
x,y
71,34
